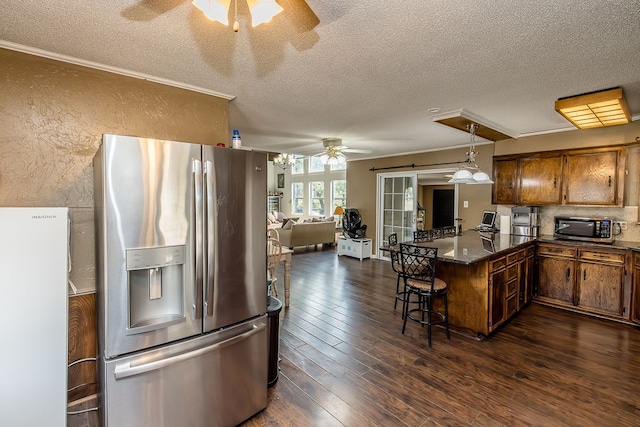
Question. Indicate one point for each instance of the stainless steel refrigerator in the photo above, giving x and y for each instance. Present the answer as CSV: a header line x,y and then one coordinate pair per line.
x,y
181,274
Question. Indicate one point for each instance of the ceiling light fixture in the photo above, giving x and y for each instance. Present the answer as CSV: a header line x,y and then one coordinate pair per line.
x,y
284,161
470,173
595,109
332,157
218,10
462,119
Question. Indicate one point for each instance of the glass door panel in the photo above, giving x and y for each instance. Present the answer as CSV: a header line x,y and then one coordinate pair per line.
x,y
398,207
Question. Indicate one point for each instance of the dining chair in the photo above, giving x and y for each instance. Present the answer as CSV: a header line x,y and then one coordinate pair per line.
x,y
419,274
420,236
274,252
395,265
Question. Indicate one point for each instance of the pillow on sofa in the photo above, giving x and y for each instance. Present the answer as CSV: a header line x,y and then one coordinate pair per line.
x,y
272,219
281,217
288,225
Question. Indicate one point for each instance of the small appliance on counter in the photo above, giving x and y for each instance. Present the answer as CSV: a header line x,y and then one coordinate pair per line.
x,y
525,221
596,230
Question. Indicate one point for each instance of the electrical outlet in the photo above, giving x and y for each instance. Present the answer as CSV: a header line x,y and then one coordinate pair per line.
x,y
623,225
465,203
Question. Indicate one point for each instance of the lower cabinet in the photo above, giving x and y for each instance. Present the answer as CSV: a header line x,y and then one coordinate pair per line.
x,y
635,303
584,279
510,284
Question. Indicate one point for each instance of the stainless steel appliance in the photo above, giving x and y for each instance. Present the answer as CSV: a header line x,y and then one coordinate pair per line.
x,y
34,250
525,221
181,282
598,230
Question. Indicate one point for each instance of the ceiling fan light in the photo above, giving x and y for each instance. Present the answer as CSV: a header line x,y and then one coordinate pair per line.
x,y
216,10
341,159
333,161
324,158
263,11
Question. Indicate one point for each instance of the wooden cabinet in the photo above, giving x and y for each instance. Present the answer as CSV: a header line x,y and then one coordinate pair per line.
x,y
540,180
635,292
504,176
556,274
526,266
592,177
508,275
584,279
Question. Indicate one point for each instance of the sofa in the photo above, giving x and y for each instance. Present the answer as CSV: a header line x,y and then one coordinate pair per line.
x,y
294,234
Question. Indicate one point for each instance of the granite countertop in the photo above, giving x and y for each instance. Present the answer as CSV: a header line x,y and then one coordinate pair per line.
x,y
474,246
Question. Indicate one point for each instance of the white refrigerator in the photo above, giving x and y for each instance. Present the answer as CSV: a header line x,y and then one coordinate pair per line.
x,y
34,248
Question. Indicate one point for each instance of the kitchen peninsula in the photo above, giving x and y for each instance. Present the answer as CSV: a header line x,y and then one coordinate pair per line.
x,y
489,278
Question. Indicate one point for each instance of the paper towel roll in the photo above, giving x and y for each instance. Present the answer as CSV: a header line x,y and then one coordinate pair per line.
x,y
505,224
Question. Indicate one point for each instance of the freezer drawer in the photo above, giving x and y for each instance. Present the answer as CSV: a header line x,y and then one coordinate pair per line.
x,y
218,379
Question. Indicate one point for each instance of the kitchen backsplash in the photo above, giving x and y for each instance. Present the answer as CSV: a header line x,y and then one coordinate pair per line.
x,y
627,213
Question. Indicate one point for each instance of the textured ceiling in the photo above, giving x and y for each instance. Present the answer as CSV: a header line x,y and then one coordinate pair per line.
x,y
368,72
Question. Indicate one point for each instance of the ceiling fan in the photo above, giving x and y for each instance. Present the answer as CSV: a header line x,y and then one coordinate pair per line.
x,y
333,153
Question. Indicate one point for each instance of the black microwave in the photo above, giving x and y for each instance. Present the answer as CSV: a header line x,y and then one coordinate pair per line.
x,y
598,230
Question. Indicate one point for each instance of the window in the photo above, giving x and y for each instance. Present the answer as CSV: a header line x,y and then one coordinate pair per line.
x,y
316,165
339,167
338,193
297,198
316,192
298,166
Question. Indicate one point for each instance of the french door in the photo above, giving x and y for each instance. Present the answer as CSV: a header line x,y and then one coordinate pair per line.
x,y
397,207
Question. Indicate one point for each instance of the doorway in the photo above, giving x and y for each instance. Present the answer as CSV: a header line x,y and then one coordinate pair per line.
x,y
443,207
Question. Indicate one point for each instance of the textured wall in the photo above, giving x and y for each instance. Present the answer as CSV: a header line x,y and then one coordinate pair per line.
x,y
52,116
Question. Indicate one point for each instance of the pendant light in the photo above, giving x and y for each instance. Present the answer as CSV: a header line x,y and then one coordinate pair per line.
x,y
470,173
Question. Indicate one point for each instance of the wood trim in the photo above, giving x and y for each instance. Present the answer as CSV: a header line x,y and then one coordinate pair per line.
x,y
82,377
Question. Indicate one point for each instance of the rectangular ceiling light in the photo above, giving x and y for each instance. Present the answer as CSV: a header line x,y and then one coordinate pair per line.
x,y
460,119
595,109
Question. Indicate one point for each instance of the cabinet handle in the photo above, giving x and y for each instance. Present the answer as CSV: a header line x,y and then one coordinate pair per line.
x,y
555,182
584,274
609,180
568,273
510,184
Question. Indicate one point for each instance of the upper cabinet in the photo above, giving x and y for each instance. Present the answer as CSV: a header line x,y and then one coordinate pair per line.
x,y
540,181
593,177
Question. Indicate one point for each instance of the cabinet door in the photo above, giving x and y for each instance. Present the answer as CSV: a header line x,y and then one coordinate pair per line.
x,y
540,180
525,280
592,179
504,177
635,309
497,294
556,280
600,288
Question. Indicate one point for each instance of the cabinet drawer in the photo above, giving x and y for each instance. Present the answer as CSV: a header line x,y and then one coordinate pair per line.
x,y
530,250
512,272
608,257
636,259
512,258
512,287
556,250
497,264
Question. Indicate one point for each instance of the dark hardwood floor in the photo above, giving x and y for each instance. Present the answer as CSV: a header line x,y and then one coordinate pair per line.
x,y
345,362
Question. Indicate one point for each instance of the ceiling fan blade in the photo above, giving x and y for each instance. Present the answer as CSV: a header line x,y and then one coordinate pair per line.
x,y
299,14
355,150
146,10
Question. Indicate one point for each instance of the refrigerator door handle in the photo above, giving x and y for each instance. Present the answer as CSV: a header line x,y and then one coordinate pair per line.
x,y
197,239
128,369
209,178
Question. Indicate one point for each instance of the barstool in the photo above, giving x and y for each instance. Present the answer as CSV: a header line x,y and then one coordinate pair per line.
x,y
419,274
395,265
